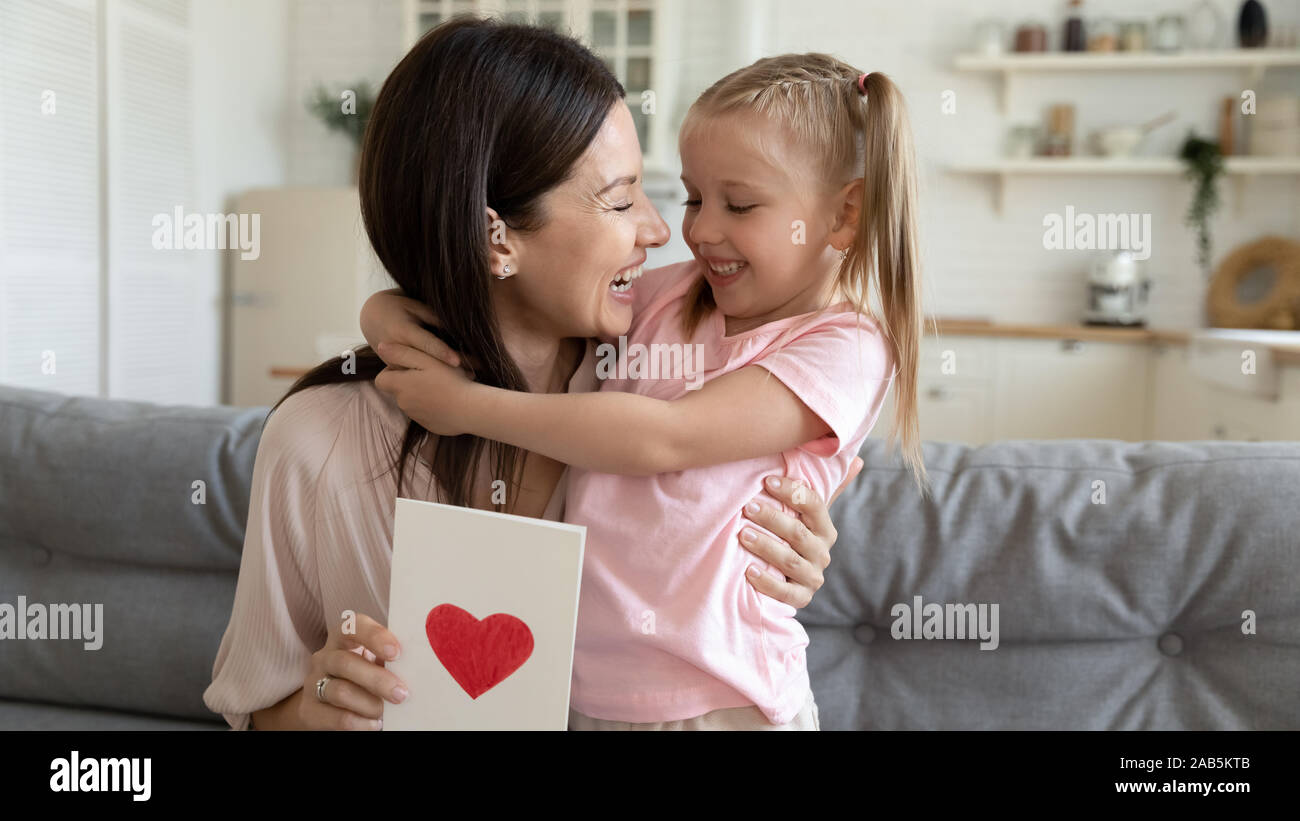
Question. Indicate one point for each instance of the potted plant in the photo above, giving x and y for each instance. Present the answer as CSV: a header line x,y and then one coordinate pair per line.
x,y
1204,165
347,111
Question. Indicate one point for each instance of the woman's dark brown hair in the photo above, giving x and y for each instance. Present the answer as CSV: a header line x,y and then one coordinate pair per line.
x,y
479,113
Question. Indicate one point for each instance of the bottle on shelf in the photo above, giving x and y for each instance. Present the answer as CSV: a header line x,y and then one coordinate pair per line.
x,y
1074,38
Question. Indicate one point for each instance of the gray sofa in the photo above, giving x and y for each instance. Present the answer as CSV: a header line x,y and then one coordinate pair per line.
x,y
1122,611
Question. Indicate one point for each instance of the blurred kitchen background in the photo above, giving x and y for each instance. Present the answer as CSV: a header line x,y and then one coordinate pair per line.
x,y
117,111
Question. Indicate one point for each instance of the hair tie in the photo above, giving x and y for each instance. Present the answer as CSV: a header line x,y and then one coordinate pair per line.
x,y
862,88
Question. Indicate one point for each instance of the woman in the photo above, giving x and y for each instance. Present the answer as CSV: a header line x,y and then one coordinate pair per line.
x,y
499,186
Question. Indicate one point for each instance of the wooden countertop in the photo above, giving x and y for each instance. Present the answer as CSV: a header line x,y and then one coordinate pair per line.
x,y
965,326
958,326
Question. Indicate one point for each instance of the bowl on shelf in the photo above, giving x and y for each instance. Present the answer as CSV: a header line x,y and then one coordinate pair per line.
x,y
1119,141
1123,140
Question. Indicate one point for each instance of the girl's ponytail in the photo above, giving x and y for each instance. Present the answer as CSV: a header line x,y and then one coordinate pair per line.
x,y
886,242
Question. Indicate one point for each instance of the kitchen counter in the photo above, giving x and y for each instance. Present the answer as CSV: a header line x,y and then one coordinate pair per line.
x,y
1284,353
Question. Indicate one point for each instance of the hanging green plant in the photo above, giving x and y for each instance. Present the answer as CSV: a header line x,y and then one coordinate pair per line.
x,y
1204,161
346,110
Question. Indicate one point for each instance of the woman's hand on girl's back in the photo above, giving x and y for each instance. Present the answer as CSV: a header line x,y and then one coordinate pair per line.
x,y
803,551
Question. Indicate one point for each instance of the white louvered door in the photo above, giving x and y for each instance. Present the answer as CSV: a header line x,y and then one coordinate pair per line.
x,y
95,139
152,293
50,262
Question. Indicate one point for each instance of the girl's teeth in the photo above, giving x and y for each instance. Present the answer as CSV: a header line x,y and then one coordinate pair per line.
x,y
729,268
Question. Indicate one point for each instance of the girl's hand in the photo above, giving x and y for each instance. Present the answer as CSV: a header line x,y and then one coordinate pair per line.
x,y
388,316
803,551
358,684
426,389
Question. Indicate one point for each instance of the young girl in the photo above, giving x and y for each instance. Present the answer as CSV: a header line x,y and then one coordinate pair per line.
x,y
799,172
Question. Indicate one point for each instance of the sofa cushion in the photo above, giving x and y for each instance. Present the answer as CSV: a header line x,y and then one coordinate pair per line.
x,y
158,633
115,480
28,715
1116,611
97,506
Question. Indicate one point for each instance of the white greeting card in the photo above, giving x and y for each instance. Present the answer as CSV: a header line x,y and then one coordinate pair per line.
x,y
485,606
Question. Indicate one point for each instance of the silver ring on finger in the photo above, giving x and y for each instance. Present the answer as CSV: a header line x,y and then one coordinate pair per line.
x,y
320,688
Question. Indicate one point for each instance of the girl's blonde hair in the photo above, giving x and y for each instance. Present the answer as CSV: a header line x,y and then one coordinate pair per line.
x,y
846,134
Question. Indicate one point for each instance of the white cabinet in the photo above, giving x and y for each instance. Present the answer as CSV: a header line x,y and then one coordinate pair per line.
x,y
954,391
1054,389
954,388
1187,407
956,411
1179,411
977,389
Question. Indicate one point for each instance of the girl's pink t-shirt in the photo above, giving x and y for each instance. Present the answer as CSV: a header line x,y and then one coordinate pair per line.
x,y
668,626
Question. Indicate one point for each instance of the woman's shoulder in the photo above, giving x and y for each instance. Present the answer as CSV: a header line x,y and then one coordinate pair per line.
x,y
309,425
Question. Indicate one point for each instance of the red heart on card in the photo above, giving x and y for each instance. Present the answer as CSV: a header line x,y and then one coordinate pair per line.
x,y
478,654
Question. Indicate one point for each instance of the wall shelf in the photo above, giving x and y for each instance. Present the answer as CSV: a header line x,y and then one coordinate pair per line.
x,y
1122,60
1254,61
1122,165
1239,169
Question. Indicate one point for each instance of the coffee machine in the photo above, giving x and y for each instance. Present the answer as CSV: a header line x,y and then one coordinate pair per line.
x,y
1117,291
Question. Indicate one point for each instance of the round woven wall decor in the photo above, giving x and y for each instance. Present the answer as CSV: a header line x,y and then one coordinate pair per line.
x,y
1279,309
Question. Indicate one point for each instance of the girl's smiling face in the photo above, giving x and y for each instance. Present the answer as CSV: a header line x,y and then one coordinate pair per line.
x,y
759,220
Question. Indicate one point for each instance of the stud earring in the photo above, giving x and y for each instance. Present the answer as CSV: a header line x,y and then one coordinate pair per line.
x,y
506,270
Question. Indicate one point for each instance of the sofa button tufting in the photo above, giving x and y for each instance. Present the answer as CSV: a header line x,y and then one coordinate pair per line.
x,y
864,633
1171,644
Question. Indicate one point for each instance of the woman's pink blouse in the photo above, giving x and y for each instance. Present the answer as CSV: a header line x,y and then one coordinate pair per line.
x,y
319,539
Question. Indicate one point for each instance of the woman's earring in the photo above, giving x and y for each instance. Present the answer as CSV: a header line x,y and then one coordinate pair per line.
x,y
505,270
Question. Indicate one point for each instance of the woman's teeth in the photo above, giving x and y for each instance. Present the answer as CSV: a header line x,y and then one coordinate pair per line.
x,y
623,282
728,269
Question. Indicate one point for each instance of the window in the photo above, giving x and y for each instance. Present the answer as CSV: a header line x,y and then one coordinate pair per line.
x,y
622,32
625,33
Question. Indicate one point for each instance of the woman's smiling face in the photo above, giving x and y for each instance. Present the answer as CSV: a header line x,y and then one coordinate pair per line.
x,y
573,276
